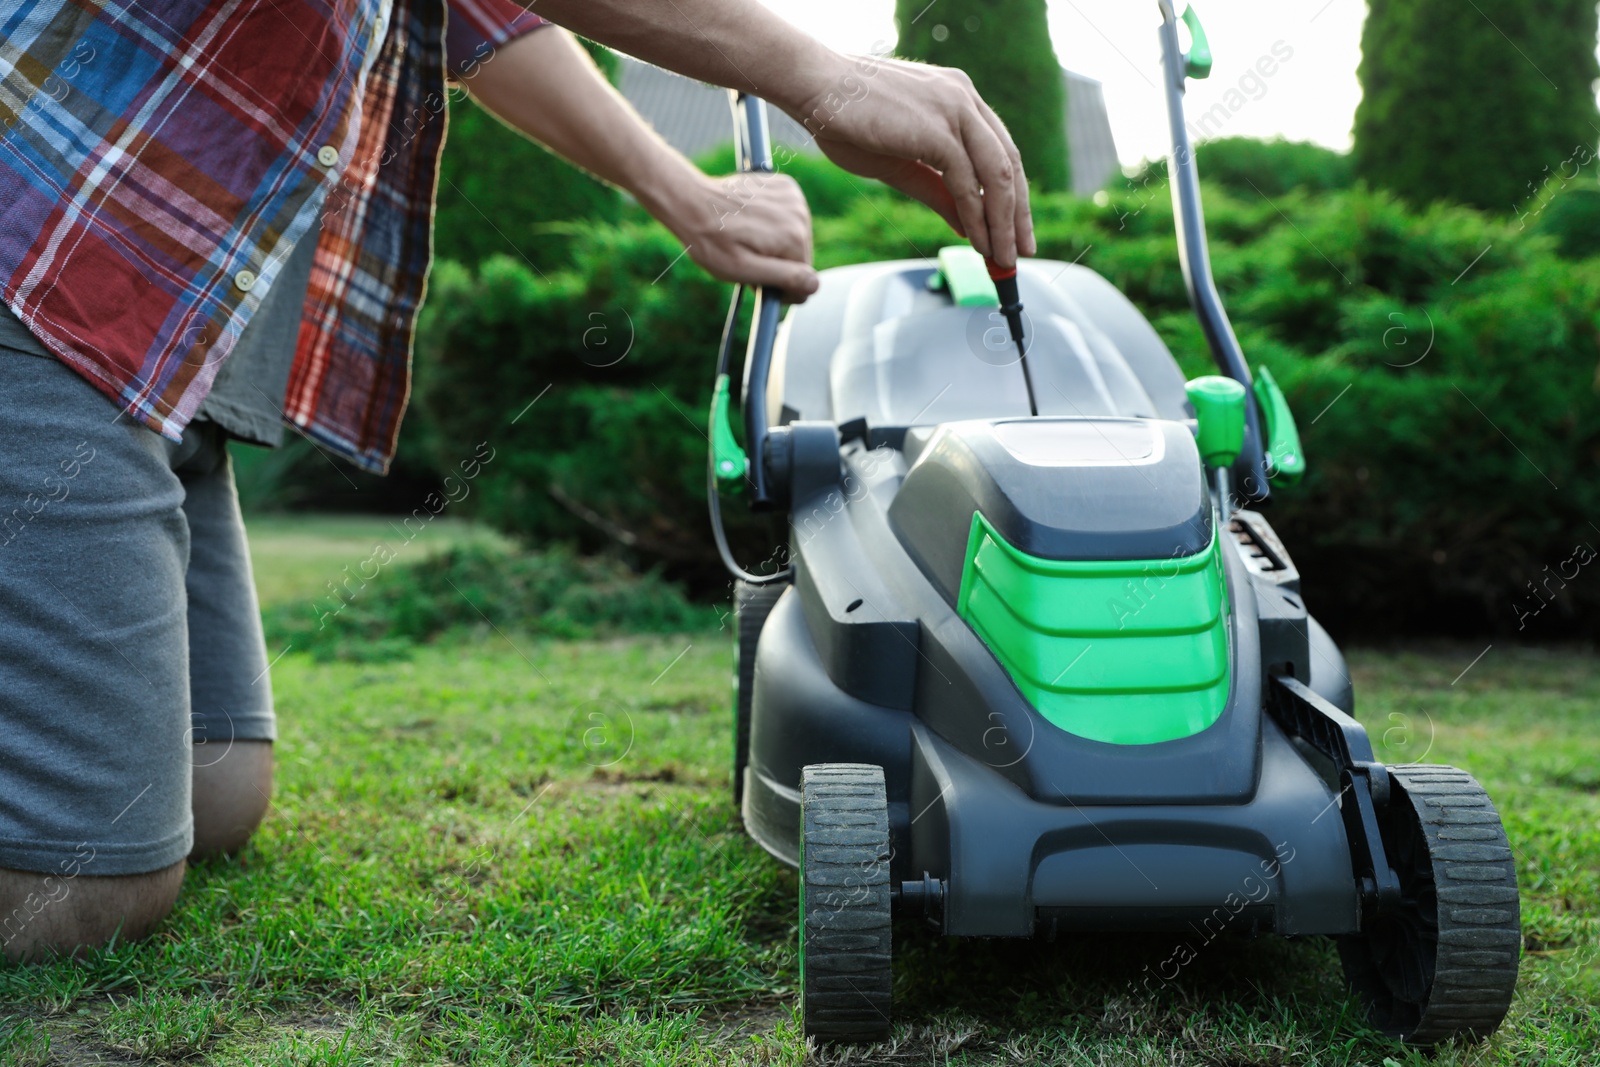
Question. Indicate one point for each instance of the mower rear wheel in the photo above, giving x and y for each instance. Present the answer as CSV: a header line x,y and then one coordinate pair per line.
x,y
845,935
751,606
1444,963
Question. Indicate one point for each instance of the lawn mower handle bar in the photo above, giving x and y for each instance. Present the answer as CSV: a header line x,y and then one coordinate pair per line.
x,y
754,153
1195,259
753,145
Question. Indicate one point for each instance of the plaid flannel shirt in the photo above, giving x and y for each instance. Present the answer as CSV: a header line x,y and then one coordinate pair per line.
x,y
159,158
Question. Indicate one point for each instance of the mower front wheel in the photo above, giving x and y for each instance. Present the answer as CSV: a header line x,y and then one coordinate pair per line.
x,y
1443,964
845,934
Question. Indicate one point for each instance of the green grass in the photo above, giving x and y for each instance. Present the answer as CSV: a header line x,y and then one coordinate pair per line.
x,y
509,849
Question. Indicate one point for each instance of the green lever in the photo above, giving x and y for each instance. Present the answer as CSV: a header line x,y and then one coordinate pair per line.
x,y
962,272
1219,407
727,458
1286,462
1197,64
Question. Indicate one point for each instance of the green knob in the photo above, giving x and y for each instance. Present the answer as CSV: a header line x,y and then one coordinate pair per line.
x,y
1219,406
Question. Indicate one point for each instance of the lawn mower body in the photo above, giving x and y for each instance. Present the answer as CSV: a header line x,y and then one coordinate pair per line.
x,y
867,657
1038,662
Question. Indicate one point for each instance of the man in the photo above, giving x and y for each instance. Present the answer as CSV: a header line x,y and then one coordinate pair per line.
x,y
216,216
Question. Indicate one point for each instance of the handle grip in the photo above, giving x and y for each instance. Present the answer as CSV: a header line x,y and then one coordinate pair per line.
x,y
754,151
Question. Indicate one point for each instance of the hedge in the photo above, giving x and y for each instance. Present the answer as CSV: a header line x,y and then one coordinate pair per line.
x,y
1442,364
1254,168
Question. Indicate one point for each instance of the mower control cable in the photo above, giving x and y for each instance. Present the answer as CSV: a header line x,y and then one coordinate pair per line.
x,y
718,456
728,462
1005,287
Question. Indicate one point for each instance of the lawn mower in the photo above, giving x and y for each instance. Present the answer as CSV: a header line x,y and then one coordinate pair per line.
x,y
1036,662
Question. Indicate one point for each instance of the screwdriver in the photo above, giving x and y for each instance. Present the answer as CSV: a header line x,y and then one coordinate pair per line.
x,y
1005,286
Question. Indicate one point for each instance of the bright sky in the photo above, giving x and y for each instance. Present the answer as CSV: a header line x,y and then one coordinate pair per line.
x,y
1312,96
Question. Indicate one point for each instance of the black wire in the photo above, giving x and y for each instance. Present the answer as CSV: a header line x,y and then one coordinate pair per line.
x,y
713,497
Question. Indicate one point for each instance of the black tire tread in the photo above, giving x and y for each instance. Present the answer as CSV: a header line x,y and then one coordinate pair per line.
x,y
1479,914
846,936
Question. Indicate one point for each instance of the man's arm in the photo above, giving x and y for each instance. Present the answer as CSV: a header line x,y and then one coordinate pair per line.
x,y
920,128
750,228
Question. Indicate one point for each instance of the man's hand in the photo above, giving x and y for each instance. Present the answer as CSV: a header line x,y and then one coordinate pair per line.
x,y
922,129
925,131
752,228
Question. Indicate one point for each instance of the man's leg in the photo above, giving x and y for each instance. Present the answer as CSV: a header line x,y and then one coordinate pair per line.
x,y
47,913
230,797
94,673
230,691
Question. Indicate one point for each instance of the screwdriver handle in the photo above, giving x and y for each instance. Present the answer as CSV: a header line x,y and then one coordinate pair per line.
x,y
1005,287
1005,283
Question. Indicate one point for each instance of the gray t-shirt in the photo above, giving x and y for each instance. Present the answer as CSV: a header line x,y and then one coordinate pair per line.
x,y
246,399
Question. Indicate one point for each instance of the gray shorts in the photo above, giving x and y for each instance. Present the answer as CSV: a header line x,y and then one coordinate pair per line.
x,y
130,637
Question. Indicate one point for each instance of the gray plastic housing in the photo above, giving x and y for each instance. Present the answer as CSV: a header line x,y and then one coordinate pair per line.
x,y
864,659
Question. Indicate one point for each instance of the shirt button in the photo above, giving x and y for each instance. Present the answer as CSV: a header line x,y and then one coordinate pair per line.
x,y
327,155
245,280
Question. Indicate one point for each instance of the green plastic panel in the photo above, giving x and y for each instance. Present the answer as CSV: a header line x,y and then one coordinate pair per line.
x,y
962,271
1128,652
1285,458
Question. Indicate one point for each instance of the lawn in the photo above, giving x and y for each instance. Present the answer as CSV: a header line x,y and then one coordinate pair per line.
x,y
507,849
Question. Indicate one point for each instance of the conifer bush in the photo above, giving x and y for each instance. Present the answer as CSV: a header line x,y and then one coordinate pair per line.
x,y
1442,364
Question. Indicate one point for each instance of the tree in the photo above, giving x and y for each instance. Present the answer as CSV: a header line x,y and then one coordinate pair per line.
x,y
1004,46
1476,103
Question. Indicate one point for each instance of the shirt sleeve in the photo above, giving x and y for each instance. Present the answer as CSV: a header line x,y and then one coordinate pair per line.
x,y
478,27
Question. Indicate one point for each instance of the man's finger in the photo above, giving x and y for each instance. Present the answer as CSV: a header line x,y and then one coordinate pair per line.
x,y
771,221
1022,209
961,182
998,179
796,280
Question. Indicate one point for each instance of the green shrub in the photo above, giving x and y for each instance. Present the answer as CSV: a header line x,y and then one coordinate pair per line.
x,y
383,606
1442,364
617,366
1252,167
1433,494
1573,218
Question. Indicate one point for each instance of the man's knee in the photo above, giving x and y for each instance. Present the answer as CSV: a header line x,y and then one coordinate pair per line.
x,y
44,913
231,793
